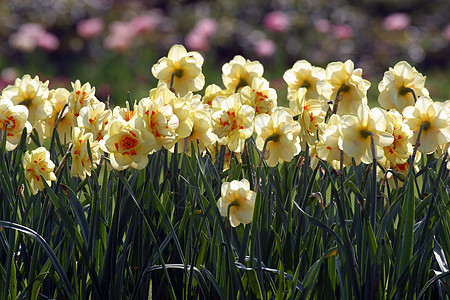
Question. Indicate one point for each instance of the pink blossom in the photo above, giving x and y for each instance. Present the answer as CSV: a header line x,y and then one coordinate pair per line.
x,y
342,31
322,25
197,41
8,75
90,28
396,22
447,32
265,48
120,36
48,41
277,21
206,27
143,23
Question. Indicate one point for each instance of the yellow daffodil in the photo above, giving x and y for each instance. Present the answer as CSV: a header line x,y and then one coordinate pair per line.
x,y
212,91
160,121
304,75
125,113
128,144
395,88
94,119
259,96
435,120
81,162
356,131
239,72
282,132
14,118
401,149
33,94
37,163
310,115
181,70
81,96
232,121
237,202
346,82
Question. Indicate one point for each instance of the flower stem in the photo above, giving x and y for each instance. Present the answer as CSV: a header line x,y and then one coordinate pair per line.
x,y
373,208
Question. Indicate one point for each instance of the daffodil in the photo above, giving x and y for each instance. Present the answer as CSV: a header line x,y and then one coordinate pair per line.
x,y
37,163
232,121
81,162
260,96
398,84
344,86
304,75
181,70
212,91
281,133
31,93
435,122
94,119
237,202
81,96
128,144
13,119
125,113
357,131
401,149
239,72
310,114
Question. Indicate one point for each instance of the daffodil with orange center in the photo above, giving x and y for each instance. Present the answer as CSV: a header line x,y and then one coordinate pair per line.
x,y
304,75
401,149
435,122
260,96
239,72
212,91
181,70
81,162
95,119
356,133
13,119
344,87
160,121
280,133
125,113
232,121
237,202
37,163
31,93
398,84
128,144
81,96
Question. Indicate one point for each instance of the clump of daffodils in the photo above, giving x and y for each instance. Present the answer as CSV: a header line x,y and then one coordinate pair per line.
x,y
327,114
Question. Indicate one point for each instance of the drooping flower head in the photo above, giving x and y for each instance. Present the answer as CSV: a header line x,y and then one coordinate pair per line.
x,y
356,131
181,70
37,163
239,72
31,93
237,202
283,133
395,88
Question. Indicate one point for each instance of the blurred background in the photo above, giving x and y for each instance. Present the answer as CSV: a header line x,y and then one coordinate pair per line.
x,y
114,43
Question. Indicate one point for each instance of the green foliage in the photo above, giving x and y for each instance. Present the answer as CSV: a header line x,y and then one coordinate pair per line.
x,y
158,232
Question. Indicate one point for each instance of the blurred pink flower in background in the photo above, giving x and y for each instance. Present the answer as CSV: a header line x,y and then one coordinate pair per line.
x,y
322,25
7,77
32,35
90,28
198,38
447,32
143,23
342,31
396,22
119,37
277,21
265,48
